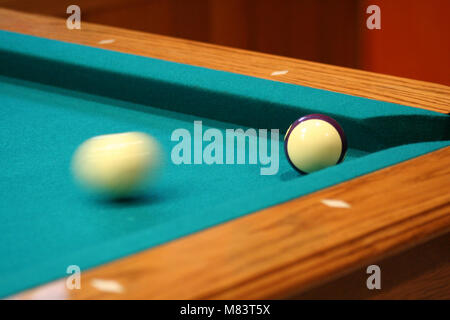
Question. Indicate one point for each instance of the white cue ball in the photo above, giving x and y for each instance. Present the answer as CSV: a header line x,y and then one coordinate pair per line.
x,y
117,165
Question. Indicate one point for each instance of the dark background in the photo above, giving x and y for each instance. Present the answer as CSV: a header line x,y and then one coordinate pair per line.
x,y
414,40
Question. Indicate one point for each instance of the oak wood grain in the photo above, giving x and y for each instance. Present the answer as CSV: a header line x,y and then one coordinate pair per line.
x,y
350,81
295,246
420,273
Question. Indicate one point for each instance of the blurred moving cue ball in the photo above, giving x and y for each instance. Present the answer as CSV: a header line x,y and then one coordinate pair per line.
x,y
314,142
117,165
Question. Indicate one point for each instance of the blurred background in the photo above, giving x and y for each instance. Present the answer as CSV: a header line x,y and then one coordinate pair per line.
x,y
414,40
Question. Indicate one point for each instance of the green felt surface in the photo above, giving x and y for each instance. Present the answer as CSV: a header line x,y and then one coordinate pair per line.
x,y
54,95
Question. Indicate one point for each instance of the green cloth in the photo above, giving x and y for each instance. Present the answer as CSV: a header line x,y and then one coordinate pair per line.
x,y
55,95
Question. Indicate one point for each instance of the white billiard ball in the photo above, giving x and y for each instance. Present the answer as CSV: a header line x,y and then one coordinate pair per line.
x,y
314,142
117,165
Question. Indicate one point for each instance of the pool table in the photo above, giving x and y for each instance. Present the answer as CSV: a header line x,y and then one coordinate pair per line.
x,y
214,231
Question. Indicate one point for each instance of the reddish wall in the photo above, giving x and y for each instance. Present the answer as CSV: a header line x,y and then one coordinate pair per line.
x,y
414,40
